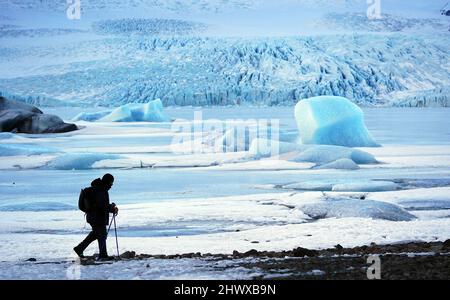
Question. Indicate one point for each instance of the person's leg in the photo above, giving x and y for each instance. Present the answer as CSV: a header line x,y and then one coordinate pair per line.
x,y
92,236
101,234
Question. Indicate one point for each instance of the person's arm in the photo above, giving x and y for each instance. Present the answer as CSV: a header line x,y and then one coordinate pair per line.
x,y
113,208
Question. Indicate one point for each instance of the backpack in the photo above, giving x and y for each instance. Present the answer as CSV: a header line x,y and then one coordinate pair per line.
x,y
86,200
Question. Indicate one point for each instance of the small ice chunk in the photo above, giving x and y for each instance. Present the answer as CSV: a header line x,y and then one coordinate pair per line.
x,y
330,120
341,164
366,186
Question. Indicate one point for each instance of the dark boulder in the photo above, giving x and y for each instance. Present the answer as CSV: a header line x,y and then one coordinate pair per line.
x,y
302,252
6,104
128,255
252,252
446,244
19,117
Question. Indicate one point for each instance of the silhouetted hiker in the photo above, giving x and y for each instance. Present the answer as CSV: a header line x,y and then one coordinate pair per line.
x,y
94,201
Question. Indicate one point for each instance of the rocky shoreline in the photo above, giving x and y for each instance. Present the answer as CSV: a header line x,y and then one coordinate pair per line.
x,y
414,260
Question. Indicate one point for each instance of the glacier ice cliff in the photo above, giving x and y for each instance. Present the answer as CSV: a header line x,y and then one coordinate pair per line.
x,y
201,71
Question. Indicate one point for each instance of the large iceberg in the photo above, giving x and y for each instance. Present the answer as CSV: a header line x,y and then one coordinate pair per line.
x,y
133,112
330,120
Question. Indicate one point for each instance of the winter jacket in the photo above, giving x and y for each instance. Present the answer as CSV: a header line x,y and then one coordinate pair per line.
x,y
100,213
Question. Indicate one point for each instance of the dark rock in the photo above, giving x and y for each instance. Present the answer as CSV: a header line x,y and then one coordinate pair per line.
x,y
255,242
32,259
188,255
339,247
446,244
236,253
128,255
252,252
301,252
6,104
19,117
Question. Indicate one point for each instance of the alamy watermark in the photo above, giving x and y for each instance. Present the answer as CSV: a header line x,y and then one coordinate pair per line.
x,y
73,11
374,271
374,9
73,272
220,137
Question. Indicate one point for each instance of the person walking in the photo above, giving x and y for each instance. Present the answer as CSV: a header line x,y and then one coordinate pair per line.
x,y
98,215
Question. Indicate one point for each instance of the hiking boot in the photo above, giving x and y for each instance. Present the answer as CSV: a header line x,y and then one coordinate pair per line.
x,y
78,252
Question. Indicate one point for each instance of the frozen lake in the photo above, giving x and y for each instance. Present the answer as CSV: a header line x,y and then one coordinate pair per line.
x,y
208,202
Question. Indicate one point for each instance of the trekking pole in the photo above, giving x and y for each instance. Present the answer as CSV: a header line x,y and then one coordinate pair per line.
x,y
117,241
110,223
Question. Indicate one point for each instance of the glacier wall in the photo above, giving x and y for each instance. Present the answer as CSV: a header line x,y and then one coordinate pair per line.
x,y
369,69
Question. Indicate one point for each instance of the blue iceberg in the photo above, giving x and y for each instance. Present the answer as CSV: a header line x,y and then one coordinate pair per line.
x,y
148,112
330,120
133,112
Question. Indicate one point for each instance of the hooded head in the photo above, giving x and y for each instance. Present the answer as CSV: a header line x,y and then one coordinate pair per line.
x,y
108,181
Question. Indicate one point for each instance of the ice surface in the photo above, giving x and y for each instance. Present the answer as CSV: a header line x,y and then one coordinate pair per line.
x,y
37,206
148,112
319,185
323,154
24,149
330,120
9,136
79,161
368,186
